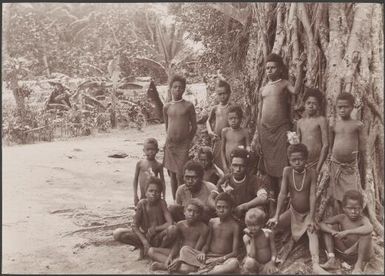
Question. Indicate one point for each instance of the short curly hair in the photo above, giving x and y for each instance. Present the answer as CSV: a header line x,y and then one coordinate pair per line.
x,y
353,195
297,148
236,109
178,78
156,181
194,166
225,197
346,96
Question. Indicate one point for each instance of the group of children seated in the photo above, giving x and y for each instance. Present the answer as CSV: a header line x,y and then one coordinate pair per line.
x,y
244,242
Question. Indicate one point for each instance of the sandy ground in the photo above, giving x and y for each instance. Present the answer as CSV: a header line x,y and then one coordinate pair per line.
x,y
53,189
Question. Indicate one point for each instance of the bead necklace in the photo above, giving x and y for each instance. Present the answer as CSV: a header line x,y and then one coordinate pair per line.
x,y
274,82
239,181
303,180
178,101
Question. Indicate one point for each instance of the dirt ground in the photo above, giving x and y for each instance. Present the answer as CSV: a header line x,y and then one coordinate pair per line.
x,y
53,189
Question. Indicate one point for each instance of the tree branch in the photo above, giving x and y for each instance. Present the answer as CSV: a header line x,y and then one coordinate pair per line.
x,y
228,9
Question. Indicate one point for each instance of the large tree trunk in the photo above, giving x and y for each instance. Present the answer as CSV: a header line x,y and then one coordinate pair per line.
x,y
344,46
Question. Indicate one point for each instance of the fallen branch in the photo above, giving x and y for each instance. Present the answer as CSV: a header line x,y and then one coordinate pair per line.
x,y
97,228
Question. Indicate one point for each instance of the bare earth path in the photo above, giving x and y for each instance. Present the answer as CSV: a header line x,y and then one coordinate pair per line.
x,y
52,189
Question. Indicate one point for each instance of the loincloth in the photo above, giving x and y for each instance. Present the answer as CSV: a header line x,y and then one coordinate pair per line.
x,y
299,223
189,255
349,254
343,177
217,154
274,143
258,268
176,155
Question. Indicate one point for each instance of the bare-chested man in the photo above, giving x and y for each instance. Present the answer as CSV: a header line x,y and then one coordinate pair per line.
x,y
347,142
233,136
180,121
219,255
273,120
218,120
313,130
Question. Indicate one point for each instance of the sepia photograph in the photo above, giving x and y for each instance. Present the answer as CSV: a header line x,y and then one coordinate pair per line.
x,y
193,138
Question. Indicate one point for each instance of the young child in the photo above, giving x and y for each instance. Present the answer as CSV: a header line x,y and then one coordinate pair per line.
x,y
261,253
233,136
299,182
180,121
151,221
353,239
218,120
273,120
191,231
313,130
146,168
347,141
211,172
219,254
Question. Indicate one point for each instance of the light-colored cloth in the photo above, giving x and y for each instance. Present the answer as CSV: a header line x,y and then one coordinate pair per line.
x,y
343,177
176,155
299,223
274,143
312,165
189,255
183,194
217,154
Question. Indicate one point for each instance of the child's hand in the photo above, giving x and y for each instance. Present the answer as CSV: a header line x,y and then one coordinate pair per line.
x,y
272,222
341,235
270,267
312,226
150,232
239,210
146,247
201,257
136,200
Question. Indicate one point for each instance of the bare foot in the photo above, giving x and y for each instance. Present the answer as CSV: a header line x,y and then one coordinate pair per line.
x,y
331,264
357,270
319,270
157,266
141,254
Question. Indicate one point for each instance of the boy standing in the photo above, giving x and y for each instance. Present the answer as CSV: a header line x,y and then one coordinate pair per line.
x,y
191,231
218,120
273,120
261,253
347,141
151,221
313,130
219,255
233,136
211,172
180,122
300,183
353,239
146,168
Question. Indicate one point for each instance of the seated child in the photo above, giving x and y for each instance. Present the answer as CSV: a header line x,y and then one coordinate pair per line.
x,y
146,168
191,231
353,239
300,182
233,136
219,255
211,172
151,221
260,245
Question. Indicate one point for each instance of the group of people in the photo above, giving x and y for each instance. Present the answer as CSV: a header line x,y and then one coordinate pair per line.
x,y
225,218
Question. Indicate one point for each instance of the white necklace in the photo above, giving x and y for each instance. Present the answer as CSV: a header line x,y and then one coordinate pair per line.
x,y
178,101
274,82
303,180
239,181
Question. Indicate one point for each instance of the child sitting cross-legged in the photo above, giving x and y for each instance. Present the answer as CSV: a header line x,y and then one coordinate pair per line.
x,y
349,233
260,245
191,231
219,255
151,221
